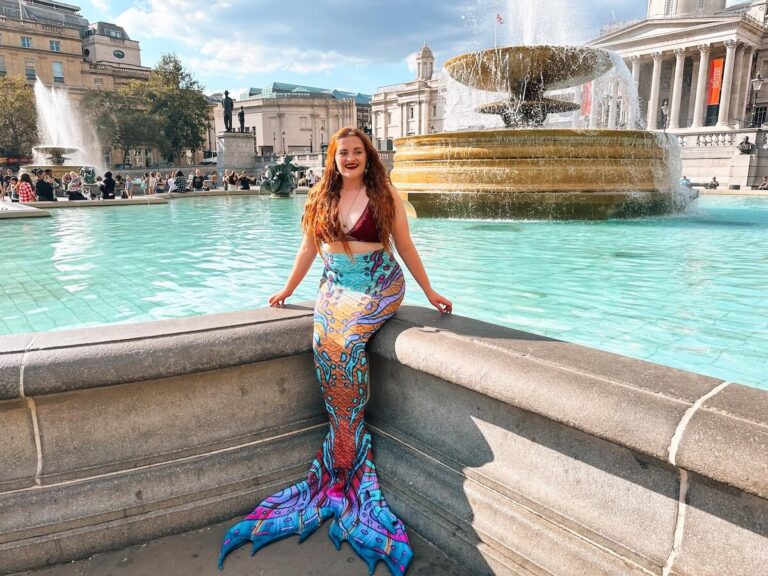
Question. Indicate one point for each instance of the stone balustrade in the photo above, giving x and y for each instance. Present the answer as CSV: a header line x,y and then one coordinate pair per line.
x,y
515,453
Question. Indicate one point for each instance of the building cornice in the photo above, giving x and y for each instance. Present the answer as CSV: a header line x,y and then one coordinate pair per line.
x,y
676,37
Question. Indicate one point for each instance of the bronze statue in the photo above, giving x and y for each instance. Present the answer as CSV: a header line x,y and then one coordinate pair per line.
x,y
280,178
241,119
745,146
228,104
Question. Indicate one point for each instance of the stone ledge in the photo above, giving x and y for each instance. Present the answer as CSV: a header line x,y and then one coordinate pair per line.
x,y
143,201
107,355
631,403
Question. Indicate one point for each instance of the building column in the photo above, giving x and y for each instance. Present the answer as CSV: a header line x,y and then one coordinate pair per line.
x,y
593,106
745,92
613,104
403,120
738,79
636,83
420,117
653,102
723,117
677,88
701,86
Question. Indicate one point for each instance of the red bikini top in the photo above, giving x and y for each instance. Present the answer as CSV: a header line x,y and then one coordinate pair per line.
x,y
365,229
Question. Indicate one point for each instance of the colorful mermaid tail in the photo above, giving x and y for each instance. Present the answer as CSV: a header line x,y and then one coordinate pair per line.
x,y
356,297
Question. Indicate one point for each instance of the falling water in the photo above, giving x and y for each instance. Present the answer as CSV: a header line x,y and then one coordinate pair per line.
x,y
60,125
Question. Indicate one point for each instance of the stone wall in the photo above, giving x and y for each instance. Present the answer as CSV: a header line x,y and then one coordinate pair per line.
x,y
515,453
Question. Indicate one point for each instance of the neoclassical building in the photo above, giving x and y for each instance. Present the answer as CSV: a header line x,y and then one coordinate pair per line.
x,y
698,67
413,107
289,118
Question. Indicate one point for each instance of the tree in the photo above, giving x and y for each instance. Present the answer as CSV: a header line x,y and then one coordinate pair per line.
x,y
123,121
18,116
172,94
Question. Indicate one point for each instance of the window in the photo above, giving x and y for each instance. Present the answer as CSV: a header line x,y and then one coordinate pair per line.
x,y
410,112
58,73
26,42
434,109
761,115
29,70
113,33
1,37
118,54
98,81
55,46
2,66
107,156
389,118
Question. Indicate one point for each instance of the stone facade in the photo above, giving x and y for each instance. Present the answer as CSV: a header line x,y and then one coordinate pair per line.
x,y
287,118
695,64
410,108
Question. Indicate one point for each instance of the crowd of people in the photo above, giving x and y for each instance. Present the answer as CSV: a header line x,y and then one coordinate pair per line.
x,y
41,185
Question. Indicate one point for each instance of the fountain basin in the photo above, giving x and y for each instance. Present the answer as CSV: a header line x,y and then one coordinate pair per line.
x,y
541,173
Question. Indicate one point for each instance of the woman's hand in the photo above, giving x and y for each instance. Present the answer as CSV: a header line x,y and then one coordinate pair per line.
x,y
440,302
277,300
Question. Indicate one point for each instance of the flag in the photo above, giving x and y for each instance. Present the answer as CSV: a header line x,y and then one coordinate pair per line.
x,y
499,19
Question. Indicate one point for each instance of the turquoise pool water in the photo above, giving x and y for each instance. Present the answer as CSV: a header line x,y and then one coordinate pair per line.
x,y
686,291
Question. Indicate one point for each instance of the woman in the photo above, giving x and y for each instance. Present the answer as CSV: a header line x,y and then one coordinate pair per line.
x,y
25,190
75,188
352,217
181,182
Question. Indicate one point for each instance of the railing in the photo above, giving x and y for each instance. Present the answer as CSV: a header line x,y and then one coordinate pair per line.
x,y
390,88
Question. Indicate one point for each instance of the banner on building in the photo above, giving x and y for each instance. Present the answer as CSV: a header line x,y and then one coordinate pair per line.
x,y
586,99
715,81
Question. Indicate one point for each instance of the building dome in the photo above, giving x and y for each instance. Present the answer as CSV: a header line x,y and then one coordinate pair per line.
x,y
425,53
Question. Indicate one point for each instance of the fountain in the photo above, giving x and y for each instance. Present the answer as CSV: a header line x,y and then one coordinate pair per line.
x,y
63,141
525,170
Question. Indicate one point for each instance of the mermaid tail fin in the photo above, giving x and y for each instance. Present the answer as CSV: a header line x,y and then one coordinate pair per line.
x,y
298,509
366,522
362,516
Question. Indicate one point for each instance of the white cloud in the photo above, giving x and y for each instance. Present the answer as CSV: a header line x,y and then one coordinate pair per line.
x,y
242,57
410,60
187,21
101,5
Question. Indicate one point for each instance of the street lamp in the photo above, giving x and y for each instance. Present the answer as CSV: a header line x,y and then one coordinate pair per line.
x,y
310,142
322,133
282,133
757,83
274,143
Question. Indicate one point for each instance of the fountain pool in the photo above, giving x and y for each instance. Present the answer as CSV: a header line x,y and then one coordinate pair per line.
x,y
686,291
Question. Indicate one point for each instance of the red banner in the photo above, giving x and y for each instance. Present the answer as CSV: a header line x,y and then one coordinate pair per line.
x,y
715,81
586,98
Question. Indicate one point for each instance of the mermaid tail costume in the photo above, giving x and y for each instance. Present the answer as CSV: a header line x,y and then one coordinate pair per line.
x,y
356,297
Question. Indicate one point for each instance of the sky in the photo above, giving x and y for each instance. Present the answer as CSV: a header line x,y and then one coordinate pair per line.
x,y
355,45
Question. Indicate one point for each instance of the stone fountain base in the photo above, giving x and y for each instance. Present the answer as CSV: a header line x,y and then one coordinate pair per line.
x,y
541,173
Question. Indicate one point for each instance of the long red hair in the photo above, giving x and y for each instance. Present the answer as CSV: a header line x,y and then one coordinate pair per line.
x,y
321,212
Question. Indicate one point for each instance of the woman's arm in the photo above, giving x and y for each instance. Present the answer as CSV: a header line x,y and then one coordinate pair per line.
x,y
409,254
301,265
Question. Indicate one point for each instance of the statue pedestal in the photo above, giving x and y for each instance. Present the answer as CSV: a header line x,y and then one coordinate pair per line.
x,y
234,151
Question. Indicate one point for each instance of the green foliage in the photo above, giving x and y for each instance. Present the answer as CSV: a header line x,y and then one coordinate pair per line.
x,y
122,121
18,116
171,93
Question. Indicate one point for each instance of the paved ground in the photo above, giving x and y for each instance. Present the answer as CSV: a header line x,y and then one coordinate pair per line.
x,y
195,553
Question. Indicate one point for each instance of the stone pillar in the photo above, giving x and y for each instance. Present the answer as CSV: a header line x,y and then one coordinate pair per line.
x,y
701,86
723,117
677,88
613,104
593,106
420,117
653,102
636,82
746,88
738,79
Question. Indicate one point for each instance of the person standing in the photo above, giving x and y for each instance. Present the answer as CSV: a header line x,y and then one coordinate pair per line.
x,y
107,187
354,218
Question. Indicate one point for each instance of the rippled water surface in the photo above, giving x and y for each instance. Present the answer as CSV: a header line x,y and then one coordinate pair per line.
x,y
686,291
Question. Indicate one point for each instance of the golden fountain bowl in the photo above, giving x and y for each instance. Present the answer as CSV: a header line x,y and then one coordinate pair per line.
x,y
518,69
